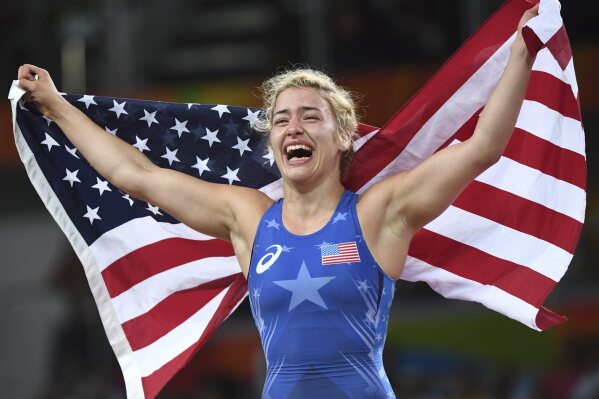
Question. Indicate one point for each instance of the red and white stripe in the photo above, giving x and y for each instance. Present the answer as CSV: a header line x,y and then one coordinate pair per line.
x,y
509,237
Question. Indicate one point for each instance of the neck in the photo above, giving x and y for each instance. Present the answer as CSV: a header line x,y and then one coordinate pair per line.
x,y
306,211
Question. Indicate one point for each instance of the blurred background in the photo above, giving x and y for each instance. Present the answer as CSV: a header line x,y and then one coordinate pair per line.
x,y
52,344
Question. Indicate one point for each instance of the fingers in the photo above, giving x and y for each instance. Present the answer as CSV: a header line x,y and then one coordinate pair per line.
x,y
27,84
29,72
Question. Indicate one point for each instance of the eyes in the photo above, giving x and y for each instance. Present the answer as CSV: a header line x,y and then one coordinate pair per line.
x,y
283,121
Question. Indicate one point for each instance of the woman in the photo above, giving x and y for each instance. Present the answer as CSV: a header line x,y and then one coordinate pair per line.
x,y
321,263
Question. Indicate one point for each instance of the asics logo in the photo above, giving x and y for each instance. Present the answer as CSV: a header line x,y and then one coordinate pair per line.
x,y
268,259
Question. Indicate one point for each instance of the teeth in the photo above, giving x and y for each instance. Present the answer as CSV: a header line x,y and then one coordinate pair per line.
x,y
298,147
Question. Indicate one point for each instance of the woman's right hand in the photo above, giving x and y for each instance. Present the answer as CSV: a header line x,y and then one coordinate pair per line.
x,y
41,91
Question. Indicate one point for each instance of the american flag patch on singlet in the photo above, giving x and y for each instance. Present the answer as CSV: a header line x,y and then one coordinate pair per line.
x,y
346,252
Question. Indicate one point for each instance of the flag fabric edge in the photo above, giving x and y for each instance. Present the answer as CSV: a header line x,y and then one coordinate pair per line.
x,y
112,327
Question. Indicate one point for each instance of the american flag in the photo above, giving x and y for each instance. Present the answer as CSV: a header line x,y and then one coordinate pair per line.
x,y
334,254
162,288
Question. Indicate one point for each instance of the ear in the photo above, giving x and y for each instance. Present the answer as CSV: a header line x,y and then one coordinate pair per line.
x,y
344,144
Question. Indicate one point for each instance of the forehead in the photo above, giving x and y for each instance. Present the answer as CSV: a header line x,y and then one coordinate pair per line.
x,y
293,98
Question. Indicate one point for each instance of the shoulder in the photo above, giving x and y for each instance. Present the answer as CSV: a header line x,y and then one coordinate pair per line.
x,y
248,202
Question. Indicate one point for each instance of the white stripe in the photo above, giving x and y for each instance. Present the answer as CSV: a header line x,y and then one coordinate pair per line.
x,y
552,126
548,22
137,233
502,242
545,62
529,183
468,99
455,287
186,334
148,293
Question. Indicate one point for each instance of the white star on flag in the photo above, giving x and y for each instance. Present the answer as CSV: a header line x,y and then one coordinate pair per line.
x,y
231,175
201,165
111,131
154,209
180,127
211,137
50,142
48,120
221,110
71,177
101,185
126,196
72,151
92,214
141,144
87,100
149,118
252,117
242,145
171,156
119,109
269,156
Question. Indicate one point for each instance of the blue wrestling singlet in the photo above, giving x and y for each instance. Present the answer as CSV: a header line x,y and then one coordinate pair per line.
x,y
321,305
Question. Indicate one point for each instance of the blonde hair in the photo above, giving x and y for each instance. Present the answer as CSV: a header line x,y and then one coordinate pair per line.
x,y
340,100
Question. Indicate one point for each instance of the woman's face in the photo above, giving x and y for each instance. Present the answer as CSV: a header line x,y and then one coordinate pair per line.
x,y
304,137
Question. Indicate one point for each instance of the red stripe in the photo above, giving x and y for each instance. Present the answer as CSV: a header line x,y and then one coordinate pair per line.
x,y
546,319
364,129
155,258
403,126
172,311
335,259
547,157
559,45
520,214
474,264
553,93
153,383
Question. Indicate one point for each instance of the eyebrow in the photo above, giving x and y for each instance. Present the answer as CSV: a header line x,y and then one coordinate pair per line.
x,y
303,108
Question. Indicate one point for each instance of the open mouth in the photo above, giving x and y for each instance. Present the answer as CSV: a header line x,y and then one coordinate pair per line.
x,y
298,152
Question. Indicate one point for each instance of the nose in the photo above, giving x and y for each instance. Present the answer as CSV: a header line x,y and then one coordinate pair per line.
x,y
293,128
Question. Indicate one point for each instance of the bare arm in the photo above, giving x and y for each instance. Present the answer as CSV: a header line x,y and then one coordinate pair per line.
x,y
206,207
